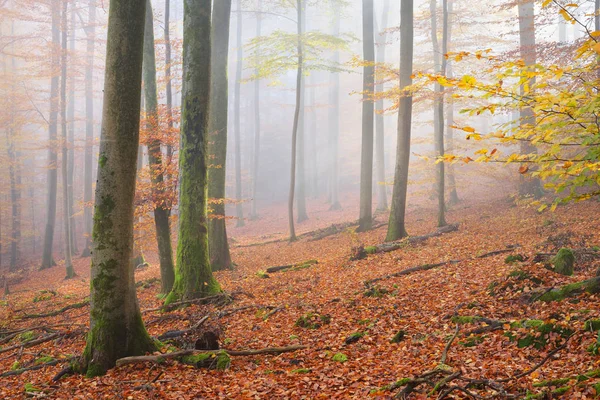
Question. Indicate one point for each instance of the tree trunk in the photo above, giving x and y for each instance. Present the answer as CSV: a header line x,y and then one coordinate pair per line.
x,y
220,258
193,276
314,159
299,6
450,117
334,117
15,199
381,39
89,127
116,326
397,225
239,211
257,126
47,259
438,106
71,122
64,140
365,221
169,90
161,211
528,186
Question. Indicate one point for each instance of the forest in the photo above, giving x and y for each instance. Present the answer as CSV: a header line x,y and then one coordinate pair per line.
x,y
300,199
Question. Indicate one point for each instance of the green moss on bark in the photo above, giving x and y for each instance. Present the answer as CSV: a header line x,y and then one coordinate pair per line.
x,y
564,262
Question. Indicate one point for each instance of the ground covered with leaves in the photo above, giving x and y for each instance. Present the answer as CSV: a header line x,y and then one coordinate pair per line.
x,y
468,322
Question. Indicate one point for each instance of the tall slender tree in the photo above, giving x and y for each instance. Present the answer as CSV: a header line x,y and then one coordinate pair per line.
x,y
193,275
64,141
217,148
47,259
239,211
365,221
450,116
155,158
168,78
116,327
528,186
334,115
71,137
90,31
381,39
257,123
397,223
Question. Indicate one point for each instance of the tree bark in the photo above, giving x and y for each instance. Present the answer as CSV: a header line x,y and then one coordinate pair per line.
x,y
71,135
397,224
334,117
239,211
116,327
528,186
155,157
257,124
193,276
381,39
89,127
169,89
220,257
450,117
299,6
70,273
365,221
47,259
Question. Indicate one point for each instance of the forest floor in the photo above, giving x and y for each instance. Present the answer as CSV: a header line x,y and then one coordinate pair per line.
x,y
336,303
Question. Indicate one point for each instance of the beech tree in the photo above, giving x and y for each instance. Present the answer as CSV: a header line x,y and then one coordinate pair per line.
x,y
365,221
193,275
217,148
380,40
239,211
155,157
116,327
397,226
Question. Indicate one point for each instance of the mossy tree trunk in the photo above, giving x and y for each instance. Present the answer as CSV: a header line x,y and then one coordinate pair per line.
x,y
90,31
47,259
381,39
528,186
365,221
193,275
239,211
70,273
397,225
300,55
116,327
161,211
220,257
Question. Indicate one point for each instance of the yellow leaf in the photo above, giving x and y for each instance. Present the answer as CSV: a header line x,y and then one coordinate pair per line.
x,y
596,48
481,151
468,129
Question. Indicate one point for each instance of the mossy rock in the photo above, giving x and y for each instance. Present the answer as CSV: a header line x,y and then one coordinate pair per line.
x,y
513,258
313,320
398,337
589,286
564,262
371,249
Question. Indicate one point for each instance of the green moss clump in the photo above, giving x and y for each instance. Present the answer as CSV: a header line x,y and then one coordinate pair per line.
x,y
589,286
472,341
376,291
15,366
339,357
44,360
371,249
592,325
595,373
29,388
553,382
564,262
219,361
561,390
398,337
513,258
44,295
262,274
465,319
540,333
27,336
301,371
312,320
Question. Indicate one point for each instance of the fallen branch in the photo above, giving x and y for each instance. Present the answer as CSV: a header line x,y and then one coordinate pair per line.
x,y
160,358
32,368
408,271
445,353
176,334
218,298
509,249
57,312
31,343
301,265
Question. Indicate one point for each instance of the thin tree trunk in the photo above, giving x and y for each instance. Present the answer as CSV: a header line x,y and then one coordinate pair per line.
x,y
89,127
365,221
257,124
528,186
299,6
334,117
15,199
397,223
381,39
155,157
47,259
71,122
314,160
116,326
450,118
65,150
217,149
237,121
193,276
169,90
